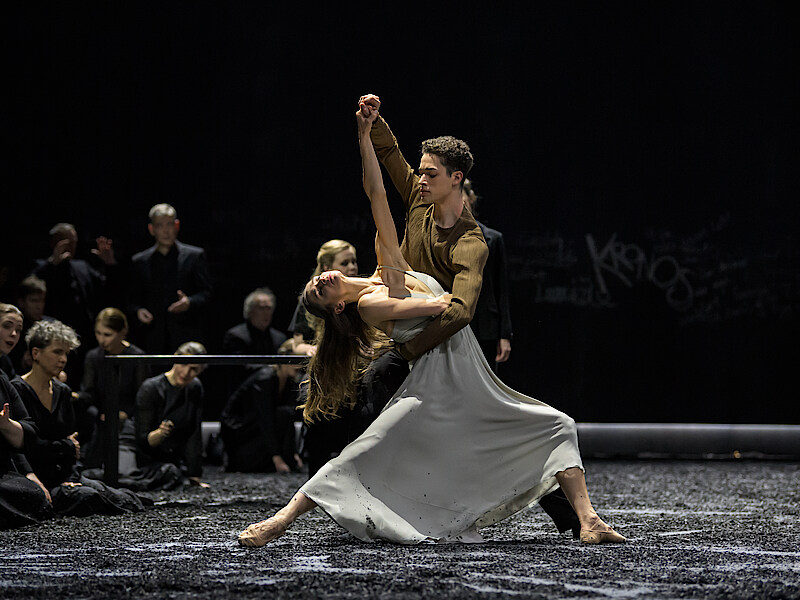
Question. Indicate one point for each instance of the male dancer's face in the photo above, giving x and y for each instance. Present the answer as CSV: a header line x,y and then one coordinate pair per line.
x,y
434,182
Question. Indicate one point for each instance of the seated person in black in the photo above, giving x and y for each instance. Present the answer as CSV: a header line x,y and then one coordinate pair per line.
x,y
23,499
258,422
255,336
11,326
10,332
169,418
56,452
111,330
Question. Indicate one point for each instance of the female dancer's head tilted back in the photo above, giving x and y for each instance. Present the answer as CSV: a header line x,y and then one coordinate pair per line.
x,y
345,344
333,255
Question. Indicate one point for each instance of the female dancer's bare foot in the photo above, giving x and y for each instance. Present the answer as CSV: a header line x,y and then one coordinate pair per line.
x,y
259,534
595,531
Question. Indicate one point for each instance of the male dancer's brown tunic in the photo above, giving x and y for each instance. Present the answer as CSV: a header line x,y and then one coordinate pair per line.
x,y
454,256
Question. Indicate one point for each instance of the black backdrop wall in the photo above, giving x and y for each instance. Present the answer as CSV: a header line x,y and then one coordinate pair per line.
x,y
639,159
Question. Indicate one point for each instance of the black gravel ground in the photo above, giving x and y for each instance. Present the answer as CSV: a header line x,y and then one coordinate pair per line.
x,y
705,529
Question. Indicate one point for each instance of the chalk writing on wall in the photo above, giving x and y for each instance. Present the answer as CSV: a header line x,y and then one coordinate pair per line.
x,y
629,264
705,276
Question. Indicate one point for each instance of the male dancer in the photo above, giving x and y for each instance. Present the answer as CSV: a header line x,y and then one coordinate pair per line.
x,y
443,240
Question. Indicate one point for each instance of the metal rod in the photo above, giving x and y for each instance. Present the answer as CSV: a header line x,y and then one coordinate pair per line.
x,y
211,359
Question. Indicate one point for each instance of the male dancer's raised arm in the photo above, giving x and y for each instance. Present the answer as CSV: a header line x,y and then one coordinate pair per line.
x,y
441,238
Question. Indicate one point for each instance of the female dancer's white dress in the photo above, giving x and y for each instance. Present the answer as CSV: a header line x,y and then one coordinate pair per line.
x,y
455,449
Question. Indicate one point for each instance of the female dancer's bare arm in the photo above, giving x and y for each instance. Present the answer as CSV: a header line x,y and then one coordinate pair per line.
x,y
376,308
387,247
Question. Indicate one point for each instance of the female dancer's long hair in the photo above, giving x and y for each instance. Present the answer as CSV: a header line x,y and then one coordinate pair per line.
x,y
345,347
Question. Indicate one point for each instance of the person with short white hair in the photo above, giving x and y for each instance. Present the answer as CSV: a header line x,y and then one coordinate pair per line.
x,y
255,335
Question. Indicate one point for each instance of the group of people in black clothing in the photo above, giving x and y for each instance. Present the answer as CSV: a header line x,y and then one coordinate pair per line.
x,y
54,393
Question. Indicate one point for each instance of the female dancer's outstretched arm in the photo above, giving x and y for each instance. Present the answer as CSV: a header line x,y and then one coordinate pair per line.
x,y
387,248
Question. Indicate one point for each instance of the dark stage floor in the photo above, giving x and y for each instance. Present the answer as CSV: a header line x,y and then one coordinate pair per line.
x,y
713,529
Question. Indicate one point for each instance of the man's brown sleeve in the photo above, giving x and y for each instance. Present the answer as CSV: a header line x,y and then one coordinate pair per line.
x,y
388,152
469,258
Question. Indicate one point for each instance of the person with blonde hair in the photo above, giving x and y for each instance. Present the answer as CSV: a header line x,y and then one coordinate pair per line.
x,y
333,255
255,335
11,322
324,439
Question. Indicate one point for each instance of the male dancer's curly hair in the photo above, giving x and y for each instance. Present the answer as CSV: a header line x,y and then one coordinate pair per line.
x,y
454,153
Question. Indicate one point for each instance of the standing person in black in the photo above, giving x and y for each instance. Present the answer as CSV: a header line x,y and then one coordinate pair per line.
x,y
492,320
255,336
77,289
170,286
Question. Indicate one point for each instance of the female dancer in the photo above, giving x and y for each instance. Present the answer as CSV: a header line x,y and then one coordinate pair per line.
x,y
455,449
